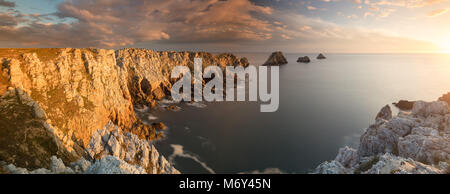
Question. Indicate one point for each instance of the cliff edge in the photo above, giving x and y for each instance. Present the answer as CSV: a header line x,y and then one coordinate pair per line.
x,y
54,100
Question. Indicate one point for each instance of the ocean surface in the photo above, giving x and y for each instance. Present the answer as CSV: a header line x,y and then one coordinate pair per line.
x,y
324,105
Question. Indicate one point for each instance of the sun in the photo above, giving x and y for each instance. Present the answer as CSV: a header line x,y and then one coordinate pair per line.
x,y
445,47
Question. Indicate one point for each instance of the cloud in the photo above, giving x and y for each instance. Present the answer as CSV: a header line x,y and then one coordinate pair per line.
x,y
311,7
213,25
407,3
125,23
323,36
5,3
438,12
7,20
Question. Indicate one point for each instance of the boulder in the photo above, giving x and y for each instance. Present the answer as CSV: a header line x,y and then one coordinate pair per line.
x,y
404,105
276,59
113,165
304,59
348,157
321,56
385,113
332,167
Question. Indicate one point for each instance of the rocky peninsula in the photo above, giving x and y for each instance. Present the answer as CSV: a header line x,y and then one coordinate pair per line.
x,y
64,106
413,142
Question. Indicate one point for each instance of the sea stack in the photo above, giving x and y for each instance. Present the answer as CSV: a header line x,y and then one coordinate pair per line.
x,y
304,59
276,59
321,56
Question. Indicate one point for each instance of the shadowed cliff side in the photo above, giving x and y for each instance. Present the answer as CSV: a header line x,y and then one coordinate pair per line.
x,y
148,71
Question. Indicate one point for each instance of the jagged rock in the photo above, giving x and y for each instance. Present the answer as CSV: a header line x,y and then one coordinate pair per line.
x,y
57,166
332,167
70,93
421,108
128,147
425,145
79,90
276,59
148,72
391,164
404,104
385,113
80,166
113,165
411,143
378,139
348,157
304,59
321,56
159,126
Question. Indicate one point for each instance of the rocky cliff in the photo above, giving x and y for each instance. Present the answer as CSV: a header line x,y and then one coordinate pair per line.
x,y
413,142
54,100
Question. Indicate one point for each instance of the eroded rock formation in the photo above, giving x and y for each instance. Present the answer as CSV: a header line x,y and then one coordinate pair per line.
x,y
412,142
276,59
304,59
53,100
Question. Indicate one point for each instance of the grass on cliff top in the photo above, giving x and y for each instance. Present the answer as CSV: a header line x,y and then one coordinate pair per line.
x,y
44,54
4,83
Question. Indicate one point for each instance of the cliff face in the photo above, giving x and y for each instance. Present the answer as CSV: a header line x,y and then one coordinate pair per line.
x,y
79,90
73,92
148,71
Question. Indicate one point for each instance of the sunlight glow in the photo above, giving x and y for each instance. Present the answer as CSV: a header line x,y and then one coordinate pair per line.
x,y
445,46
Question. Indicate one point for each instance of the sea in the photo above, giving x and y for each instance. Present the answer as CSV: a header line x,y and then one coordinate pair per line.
x,y
324,105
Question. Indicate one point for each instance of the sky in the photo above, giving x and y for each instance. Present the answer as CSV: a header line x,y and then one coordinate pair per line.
x,y
330,26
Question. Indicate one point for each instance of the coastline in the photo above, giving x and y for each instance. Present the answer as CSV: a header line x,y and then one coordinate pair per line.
x,y
123,81
64,96
413,142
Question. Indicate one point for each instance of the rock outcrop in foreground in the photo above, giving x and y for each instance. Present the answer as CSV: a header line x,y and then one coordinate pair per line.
x,y
416,142
53,100
276,59
110,151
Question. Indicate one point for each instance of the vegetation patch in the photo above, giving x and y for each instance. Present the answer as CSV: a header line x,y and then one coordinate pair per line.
x,y
24,140
44,54
363,167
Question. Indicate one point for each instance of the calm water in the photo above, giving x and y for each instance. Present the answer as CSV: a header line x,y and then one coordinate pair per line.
x,y
324,105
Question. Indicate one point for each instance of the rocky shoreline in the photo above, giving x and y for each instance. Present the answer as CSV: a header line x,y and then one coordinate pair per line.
x,y
413,142
53,102
73,111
